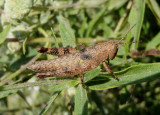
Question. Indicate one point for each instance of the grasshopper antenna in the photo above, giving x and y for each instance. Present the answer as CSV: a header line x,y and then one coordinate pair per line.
x,y
131,42
126,33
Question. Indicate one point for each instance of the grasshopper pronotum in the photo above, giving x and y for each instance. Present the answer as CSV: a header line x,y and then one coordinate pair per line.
x,y
73,62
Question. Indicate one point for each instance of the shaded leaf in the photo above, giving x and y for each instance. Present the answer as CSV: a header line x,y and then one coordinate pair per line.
x,y
6,93
98,100
24,98
49,103
154,42
154,6
124,95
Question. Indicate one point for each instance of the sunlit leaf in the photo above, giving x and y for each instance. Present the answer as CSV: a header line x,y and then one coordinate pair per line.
x,y
15,10
4,34
136,17
64,85
66,32
81,101
132,75
91,74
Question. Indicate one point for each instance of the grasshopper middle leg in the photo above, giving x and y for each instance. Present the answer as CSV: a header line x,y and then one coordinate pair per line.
x,y
81,77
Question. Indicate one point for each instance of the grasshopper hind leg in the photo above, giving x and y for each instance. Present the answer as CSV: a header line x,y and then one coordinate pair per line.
x,y
64,72
46,74
57,51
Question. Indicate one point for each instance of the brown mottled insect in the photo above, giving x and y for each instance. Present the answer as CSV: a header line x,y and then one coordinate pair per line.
x,y
73,62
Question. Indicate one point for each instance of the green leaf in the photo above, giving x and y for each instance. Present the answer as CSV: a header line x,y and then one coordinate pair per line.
x,y
15,10
4,34
95,20
154,7
132,75
66,32
108,32
81,101
64,85
136,17
44,18
116,4
27,84
6,93
55,38
154,42
83,28
24,98
91,74
51,100
24,46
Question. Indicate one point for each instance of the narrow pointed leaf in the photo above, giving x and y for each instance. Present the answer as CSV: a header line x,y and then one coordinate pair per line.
x,y
66,32
64,85
51,100
24,46
154,42
136,16
6,93
81,101
4,34
132,75
91,74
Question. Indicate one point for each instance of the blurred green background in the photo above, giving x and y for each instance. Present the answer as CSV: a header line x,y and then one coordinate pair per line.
x,y
27,24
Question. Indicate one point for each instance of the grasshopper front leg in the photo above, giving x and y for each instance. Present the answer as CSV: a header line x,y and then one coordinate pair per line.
x,y
109,70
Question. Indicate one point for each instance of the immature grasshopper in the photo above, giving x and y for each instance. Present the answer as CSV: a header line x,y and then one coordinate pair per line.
x,y
73,62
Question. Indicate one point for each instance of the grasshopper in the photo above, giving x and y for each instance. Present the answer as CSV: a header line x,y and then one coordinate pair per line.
x,y
73,62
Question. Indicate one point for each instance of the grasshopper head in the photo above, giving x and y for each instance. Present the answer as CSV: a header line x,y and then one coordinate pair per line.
x,y
112,49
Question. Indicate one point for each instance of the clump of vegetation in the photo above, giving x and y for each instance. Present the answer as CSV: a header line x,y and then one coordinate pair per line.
x,y
27,24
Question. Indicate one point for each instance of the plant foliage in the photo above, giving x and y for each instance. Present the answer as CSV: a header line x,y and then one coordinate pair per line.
x,y
27,24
